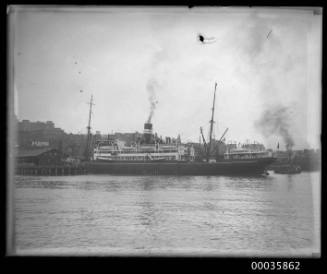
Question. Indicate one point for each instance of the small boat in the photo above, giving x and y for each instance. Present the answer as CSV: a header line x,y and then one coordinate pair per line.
x,y
287,169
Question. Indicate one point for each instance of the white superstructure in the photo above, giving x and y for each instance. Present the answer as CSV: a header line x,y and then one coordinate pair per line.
x,y
236,154
113,151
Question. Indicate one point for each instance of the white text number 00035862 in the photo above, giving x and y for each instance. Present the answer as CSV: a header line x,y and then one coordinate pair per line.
x,y
275,265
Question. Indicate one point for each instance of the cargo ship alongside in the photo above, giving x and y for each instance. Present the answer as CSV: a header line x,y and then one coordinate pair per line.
x,y
150,155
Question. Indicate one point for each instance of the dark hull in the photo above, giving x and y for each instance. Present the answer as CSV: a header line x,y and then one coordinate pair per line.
x,y
253,166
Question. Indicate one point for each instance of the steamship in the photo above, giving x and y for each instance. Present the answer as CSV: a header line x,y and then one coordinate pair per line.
x,y
150,155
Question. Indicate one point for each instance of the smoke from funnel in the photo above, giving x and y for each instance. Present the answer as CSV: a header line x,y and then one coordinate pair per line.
x,y
276,121
151,87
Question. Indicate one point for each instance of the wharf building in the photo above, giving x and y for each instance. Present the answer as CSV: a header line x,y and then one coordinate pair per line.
x,y
44,135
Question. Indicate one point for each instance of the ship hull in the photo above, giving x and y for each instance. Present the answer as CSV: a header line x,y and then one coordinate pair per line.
x,y
253,166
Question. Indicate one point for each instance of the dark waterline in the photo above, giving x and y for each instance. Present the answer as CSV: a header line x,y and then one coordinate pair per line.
x,y
167,215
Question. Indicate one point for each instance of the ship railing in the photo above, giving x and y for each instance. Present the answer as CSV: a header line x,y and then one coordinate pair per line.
x,y
167,151
246,152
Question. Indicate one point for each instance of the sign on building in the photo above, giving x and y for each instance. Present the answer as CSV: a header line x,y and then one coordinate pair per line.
x,y
40,143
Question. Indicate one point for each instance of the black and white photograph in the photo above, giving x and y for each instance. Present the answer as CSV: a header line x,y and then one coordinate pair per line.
x,y
164,131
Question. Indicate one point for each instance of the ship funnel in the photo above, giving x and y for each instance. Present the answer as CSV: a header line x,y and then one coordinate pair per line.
x,y
147,132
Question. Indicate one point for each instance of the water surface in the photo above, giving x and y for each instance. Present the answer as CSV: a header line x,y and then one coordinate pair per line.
x,y
166,215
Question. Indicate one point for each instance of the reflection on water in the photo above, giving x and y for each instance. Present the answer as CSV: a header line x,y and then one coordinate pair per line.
x,y
214,215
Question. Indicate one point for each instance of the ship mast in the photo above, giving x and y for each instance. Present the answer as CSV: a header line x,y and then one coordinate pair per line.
x,y
88,140
211,123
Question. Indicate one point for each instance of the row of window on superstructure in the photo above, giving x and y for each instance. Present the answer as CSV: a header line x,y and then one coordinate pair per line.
x,y
131,152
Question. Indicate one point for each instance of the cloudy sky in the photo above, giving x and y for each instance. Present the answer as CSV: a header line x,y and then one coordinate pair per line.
x,y
265,62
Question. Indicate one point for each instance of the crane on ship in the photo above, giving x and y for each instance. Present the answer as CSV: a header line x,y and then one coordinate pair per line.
x,y
204,141
222,136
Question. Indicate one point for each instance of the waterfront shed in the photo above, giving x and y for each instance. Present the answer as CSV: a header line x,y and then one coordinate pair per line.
x,y
40,156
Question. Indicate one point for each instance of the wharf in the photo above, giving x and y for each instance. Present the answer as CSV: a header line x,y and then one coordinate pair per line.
x,y
50,170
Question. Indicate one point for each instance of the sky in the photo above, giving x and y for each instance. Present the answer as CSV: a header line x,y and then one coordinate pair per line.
x,y
266,62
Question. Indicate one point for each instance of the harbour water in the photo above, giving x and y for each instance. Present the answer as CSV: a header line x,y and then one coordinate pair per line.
x,y
276,215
